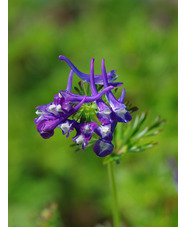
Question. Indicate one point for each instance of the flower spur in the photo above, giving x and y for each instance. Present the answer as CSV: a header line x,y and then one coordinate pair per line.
x,y
98,80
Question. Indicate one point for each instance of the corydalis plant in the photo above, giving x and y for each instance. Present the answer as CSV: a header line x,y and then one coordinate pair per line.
x,y
94,112
99,119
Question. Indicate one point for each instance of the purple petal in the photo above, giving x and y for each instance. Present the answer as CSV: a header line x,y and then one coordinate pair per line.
x,y
46,128
106,116
42,109
105,132
59,105
87,129
58,99
123,115
79,139
128,117
66,127
47,135
84,132
113,126
103,148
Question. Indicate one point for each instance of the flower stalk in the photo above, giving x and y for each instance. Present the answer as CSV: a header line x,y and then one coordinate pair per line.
x,y
116,218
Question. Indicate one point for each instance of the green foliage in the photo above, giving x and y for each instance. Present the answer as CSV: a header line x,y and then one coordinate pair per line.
x,y
134,137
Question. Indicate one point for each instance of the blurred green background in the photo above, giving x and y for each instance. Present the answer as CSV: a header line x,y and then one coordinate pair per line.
x,y
49,184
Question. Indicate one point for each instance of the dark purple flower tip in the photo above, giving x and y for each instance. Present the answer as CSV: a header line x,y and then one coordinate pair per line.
x,y
46,127
47,135
103,148
122,115
128,117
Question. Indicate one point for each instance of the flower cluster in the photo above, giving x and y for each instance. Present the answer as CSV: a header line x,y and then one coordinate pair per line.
x,y
103,109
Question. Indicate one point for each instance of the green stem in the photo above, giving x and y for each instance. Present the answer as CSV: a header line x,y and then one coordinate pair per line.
x,y
116,219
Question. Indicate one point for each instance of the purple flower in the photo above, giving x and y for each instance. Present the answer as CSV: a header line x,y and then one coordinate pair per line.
x,y
122,115
105,113
103,148
56,108
67,126
88,115
45,129
104,131
50,118
84,133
